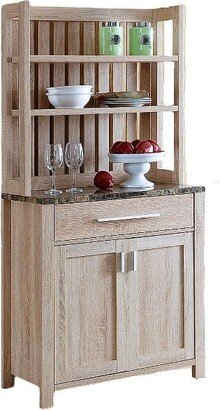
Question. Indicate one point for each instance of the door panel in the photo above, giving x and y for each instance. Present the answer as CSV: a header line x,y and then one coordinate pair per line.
x,y
158,309
85,311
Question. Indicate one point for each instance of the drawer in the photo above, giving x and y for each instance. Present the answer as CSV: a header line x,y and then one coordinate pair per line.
x,y
122,216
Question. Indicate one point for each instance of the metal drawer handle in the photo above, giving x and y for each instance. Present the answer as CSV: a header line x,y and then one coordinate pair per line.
x,y
122,262
126,218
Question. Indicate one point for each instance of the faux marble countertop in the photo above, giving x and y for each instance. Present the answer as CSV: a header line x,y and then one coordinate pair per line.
x,y
92,194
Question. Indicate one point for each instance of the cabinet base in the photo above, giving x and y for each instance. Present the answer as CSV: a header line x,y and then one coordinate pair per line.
x,y
137,372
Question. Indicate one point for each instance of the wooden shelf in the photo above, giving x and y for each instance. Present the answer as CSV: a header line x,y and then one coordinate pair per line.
x,y
104,110
97,59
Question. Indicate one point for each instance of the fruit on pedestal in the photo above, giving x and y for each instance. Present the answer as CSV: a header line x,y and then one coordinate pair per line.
x,y
155,145
125,148
135,143
143,147
103,180
114,147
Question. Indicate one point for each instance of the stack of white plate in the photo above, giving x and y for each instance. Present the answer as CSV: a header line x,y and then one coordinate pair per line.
x,y
71,96
126,102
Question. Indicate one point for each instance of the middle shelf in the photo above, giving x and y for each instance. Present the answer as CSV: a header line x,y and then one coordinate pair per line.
x,y
92,58
104,110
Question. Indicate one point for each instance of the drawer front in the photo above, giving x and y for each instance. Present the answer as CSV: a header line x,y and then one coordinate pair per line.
x,y
123,216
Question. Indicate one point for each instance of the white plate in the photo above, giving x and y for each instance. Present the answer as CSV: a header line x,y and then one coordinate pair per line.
x,y
135,158
127,99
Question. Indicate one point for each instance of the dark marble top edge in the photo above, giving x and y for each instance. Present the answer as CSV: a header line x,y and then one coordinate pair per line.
x,y
93,195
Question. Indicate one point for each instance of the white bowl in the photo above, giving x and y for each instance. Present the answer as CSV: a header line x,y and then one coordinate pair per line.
x,y
134,158
136,166
71,89
69,100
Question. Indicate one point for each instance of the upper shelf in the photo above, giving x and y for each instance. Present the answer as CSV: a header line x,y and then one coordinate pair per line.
x,y
97,59
98,110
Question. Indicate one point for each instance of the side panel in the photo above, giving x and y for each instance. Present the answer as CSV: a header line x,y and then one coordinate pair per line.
x,y
32,292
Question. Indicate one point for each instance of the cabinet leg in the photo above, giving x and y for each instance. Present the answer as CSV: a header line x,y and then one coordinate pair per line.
x,y
46,398
198,371
7,377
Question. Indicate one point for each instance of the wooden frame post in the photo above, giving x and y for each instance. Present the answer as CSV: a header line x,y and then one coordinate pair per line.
x,y
47,331
199,369
179,94
7,377
24,99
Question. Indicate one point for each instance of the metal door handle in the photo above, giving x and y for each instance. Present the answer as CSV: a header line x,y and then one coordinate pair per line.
x,y
122,262
134,261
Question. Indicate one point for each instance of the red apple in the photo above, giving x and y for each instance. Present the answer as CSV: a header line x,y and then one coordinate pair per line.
x,y
156,147
143,147
114,147
135,142
125,148
103,180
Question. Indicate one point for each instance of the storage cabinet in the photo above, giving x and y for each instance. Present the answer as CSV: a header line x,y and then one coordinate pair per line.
x,y
123,305
103,284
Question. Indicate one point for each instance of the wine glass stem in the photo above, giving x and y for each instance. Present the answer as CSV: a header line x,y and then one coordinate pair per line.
x,y
74,178
53,179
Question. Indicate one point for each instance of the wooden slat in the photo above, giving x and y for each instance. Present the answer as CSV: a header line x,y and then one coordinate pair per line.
x,y
160,81
73,47
89,143
118,129
95,58
103,120
24,99
89,111
199,368
59,80
89,14
43,129
132,84
145,84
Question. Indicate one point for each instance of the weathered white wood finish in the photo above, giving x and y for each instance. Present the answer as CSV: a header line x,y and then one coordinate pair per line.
x,y
32,295
24,99
7,376
199,368
85,311
164,299
137,372
75,221
41,58
103,110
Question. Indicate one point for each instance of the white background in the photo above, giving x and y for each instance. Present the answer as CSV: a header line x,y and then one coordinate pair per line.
x,y
175,389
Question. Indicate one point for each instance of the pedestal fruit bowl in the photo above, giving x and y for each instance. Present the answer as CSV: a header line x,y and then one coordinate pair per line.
x,y
136,166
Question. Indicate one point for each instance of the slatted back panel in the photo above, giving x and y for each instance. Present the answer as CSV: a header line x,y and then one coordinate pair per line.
x,y
96,132
75,31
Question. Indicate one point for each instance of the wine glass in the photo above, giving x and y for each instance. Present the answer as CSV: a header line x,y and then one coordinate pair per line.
x,y
74,158
53,159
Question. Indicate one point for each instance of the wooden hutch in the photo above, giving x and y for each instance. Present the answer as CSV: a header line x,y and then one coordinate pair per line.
x,y
89,297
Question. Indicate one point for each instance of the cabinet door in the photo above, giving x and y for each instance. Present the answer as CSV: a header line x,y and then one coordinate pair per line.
x,y
85,310
157,324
